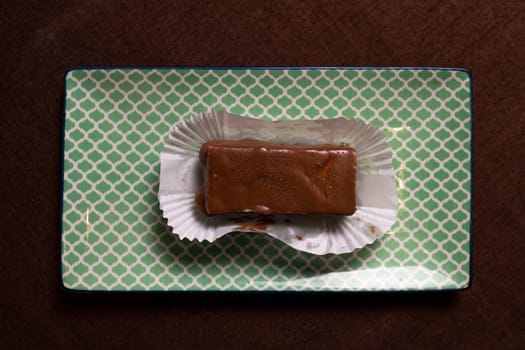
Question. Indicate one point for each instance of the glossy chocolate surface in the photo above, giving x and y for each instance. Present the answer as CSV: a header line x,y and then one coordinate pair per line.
x,y
263,177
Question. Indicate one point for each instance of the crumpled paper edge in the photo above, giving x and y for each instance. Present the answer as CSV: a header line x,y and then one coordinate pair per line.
x,y
376,186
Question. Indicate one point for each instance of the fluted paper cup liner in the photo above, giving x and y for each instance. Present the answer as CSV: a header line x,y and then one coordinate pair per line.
x,y
376,195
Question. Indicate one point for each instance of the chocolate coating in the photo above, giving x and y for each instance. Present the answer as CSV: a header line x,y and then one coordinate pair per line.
x,y
263,177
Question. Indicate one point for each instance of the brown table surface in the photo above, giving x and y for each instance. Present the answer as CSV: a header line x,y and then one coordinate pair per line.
x,y
41,39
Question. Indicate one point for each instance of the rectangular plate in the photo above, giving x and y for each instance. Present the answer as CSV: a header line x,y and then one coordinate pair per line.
x,y
115,239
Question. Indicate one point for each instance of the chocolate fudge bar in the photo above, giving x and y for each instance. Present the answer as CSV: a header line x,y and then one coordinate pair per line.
x,y
263,177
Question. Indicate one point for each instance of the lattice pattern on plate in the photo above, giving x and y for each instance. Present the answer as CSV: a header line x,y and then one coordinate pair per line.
x,y
114,237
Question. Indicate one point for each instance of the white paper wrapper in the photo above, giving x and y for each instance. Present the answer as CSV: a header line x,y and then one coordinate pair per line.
x,y
180,178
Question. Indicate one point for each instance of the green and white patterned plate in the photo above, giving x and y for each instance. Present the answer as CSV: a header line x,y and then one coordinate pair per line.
x,y
115,239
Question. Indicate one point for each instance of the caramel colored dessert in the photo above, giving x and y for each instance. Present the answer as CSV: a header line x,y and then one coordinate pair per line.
x,y
265,178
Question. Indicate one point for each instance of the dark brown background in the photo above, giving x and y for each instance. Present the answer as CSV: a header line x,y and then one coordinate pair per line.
x,y
41,39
